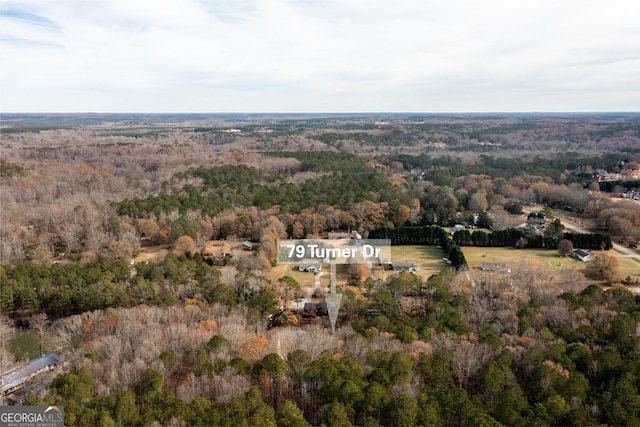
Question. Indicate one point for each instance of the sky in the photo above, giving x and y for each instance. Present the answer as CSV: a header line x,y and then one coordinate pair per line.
x,y
319,56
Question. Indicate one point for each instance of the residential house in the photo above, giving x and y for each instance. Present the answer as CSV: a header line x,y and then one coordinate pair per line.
x,y
338,235
313,309
581,255
498,267
310,267
400,266
456,228
16,378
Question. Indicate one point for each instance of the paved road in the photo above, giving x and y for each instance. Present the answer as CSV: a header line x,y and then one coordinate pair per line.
x,y
626,251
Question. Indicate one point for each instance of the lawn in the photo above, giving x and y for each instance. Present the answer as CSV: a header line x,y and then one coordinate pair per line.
x,y
628,266
514,257
428,259
152,253
542,257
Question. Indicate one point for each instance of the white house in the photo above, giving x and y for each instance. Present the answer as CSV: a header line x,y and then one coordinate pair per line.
x,y
456,228
581,255
310,267
498,267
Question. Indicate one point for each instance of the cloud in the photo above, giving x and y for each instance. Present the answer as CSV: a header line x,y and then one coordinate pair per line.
x,y
28,18
319,55
22,27
26,42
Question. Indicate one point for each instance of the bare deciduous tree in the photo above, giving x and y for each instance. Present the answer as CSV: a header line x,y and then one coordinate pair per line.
x,y
565,247
6,334
603,267
316,340
468,359
478,202
40,323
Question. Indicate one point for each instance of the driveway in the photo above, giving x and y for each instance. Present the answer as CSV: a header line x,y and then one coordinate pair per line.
x,y
626,251
570,225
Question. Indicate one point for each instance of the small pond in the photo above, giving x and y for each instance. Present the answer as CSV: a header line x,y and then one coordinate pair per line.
x,y
24,345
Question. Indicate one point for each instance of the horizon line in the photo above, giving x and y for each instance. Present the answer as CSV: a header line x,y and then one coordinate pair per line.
x,y
330,112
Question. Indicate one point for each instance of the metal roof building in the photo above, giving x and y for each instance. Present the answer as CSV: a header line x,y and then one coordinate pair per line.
x,y
14,379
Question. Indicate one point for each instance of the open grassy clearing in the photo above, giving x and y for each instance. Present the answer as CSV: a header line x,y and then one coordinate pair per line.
x,y
302,277
152,253
628,266
514,258
428,259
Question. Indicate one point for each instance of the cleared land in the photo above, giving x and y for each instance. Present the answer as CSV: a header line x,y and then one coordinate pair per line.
x,y
514,258
152,253
628,267
428,259
517,257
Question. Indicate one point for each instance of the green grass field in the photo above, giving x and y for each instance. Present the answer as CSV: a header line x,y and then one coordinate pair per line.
x,y
428,259
515,257
628,267
302,277
542,257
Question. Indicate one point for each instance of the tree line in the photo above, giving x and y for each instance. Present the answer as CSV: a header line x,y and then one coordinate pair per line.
x,y
509,167
432,235
610,186
423,235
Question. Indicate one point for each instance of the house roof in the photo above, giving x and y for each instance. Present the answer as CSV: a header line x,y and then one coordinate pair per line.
x,y
247,244
581,253
493,266
338,235
17,376
399,265
456,228
305,265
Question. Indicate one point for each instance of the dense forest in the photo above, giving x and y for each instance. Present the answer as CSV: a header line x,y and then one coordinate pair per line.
x,y
122,249
551,358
